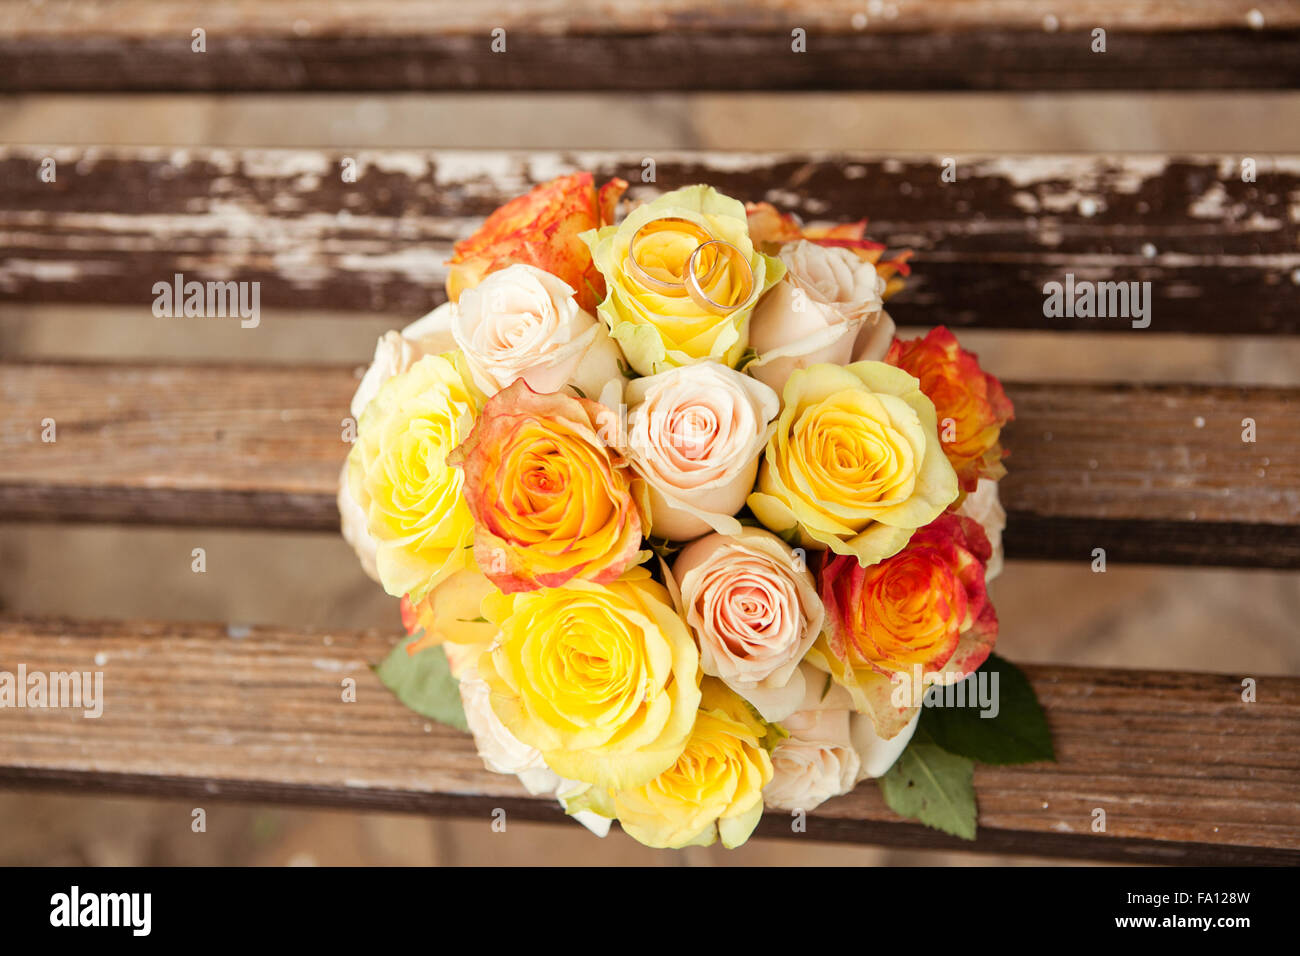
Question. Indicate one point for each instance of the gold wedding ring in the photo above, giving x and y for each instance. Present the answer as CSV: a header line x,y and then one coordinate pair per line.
x,y
701,268
716,251
657,225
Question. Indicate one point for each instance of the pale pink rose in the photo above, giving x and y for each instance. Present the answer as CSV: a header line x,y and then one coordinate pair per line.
x,y
828,300
985,508
754,609
523,323
695,434
816,762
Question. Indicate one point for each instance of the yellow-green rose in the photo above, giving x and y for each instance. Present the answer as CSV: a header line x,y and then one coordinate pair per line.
x,y
398,474
714,789
602,679
855,463
659,329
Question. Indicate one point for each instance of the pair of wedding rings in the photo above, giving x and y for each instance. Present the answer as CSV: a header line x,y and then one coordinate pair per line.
x,y
702,267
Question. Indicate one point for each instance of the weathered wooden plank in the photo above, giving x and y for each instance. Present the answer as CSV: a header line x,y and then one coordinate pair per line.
x,y
128,18
1221,255
1154,473
648,45
1185,771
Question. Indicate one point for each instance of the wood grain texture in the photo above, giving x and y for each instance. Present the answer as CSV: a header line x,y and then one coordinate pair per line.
x,y
160,18
1155,473
1221,255
1186,772
647,45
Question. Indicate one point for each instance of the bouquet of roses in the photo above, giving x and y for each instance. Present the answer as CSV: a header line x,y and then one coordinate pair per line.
x,y
682,526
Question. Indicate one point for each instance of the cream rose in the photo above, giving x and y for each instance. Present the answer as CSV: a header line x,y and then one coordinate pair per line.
x,y
816,762
828,308
830,747
984,507
523,323
875,753
395,352
874,339
695,434
502,752
353,522
754,609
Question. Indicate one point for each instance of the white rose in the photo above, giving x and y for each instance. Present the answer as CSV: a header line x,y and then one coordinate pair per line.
x,y
396,352
695,434
524,323
874,339
754,609
502,752
355,532
875,753
826,302
816,762
985,508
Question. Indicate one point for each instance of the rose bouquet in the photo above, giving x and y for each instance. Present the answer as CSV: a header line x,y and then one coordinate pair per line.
x,y
679,528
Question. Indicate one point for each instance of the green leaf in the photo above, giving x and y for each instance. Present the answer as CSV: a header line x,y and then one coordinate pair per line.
x,y
663,547
826,689
423,682
790,535
933,786
1018,734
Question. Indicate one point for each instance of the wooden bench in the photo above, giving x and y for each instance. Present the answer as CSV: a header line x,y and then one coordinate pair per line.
x,y
648,45
1185,770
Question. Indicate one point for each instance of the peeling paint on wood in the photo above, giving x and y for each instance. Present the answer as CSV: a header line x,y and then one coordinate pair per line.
x,y
1220,253
642,45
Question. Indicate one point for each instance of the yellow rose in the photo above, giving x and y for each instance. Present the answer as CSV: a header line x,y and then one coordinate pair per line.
x,y
855,463
660,329
398,474
715,788
602,679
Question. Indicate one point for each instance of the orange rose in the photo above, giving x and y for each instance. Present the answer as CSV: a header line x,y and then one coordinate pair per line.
x,y
551,501
449,613
970,403
770,229
541,229
923,613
